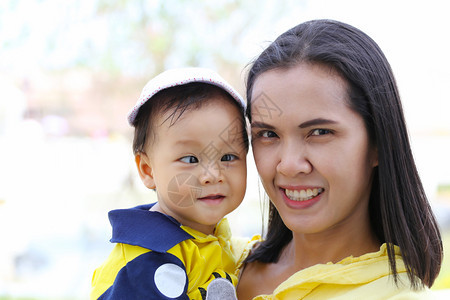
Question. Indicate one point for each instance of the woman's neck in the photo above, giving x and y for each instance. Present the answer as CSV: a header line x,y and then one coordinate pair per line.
x,y
306,250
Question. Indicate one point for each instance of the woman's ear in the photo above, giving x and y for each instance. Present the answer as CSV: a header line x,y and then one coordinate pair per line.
x,y
145,170
375,157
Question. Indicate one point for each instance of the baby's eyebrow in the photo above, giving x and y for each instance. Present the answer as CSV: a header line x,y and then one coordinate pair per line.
x,y
315,122
261,125
183,143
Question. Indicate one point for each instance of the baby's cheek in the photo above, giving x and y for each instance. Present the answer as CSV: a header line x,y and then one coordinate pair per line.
x,y
184,189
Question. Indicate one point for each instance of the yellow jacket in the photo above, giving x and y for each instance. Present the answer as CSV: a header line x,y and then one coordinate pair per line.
x,y
365,277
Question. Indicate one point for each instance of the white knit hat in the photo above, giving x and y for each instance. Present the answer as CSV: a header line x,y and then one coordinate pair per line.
x,y
175,77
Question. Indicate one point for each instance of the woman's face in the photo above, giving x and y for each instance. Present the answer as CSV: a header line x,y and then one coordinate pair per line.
x,y
311,150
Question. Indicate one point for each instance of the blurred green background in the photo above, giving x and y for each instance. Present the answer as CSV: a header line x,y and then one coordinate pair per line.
x,y
70,71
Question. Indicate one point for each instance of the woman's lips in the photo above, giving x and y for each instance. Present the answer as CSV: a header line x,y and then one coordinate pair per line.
x,y
301,197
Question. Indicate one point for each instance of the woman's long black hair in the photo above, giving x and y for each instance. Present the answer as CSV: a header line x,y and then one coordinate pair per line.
x,y
398,207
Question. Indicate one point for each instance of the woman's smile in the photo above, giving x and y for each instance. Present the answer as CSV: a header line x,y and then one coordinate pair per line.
x,y
302,194
301,198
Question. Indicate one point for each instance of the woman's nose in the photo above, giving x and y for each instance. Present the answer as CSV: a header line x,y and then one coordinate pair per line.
x,y
294,161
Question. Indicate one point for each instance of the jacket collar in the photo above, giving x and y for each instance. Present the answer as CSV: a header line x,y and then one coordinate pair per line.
x,y
148,229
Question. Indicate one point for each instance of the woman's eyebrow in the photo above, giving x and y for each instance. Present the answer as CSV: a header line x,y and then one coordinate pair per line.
x,y
315,122
261,125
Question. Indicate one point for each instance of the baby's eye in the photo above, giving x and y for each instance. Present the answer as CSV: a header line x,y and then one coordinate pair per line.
x,y
228,157
189,159
319,131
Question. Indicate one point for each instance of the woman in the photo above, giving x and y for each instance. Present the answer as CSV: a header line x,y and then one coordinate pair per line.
x,y
348,216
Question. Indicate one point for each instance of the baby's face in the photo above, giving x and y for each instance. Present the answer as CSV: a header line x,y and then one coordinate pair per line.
x,y
199,163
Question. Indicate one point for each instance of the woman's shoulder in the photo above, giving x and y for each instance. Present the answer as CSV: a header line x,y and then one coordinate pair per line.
x,y
257,278
351,278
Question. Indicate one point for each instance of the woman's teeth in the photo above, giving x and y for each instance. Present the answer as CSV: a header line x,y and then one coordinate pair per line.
x,y
303,195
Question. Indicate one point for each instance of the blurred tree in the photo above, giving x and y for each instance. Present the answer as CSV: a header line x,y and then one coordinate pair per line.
x,y
88,60
155,35
131,37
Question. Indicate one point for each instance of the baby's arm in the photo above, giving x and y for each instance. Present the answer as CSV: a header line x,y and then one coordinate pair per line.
x,y
150,275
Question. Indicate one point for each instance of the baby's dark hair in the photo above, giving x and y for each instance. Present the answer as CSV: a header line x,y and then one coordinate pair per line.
x,y
179,99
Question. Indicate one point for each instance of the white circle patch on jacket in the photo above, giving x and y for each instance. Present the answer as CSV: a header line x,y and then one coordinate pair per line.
x,y
170,280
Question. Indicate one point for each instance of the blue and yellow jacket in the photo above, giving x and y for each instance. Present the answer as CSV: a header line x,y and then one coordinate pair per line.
x,y
158,258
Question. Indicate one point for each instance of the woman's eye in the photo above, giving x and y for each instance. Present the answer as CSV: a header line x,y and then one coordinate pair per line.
x,y
266,134
228,157
189,159
319,131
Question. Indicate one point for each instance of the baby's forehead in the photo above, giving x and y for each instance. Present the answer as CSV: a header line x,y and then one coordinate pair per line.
x,y
215,118
211,104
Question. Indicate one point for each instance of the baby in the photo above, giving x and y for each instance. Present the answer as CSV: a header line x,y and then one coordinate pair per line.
x,y
190,146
